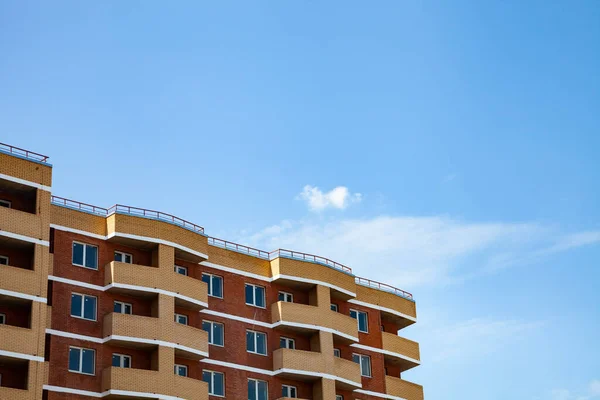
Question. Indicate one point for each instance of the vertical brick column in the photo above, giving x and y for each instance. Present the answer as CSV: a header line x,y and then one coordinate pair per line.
x,y
324,389
165,260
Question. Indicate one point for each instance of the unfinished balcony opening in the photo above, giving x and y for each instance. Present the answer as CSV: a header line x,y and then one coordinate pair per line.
x,y
14,373
18,197
15,312
16,253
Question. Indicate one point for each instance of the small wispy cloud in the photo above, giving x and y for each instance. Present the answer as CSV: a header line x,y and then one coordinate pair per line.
x,y
339,197
591,393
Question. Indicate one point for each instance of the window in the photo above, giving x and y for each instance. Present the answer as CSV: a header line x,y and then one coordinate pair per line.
x,y
216,382
2,319
339,397
85,255
256,342
3,260
122,308
123,257
181,270
365,364
361,317
257,390
289,391
255,295
181,370
333,307
121,360
215,332
287,297
215,285
337,353
5,204
181,319
287,343
82,360
83,306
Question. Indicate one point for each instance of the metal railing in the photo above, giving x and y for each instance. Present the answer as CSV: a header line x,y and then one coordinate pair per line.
x,y
384,287
23,153
309,257
238,247
77,205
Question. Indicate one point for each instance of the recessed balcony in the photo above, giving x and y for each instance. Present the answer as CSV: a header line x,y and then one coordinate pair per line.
x,y
298,364
400,352
395,308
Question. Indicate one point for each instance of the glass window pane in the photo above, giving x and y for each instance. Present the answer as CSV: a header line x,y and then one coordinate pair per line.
x,y
118,257
251,390
74,359
218,334
282,343
77,253
261,343
262,390
206,279
116,361
219,384
128,258
88,361
76,305
127,362
333,307
365,366
353,314
293,392
217,286
206,378
249,294
127,308
117,307
91,257
260,296
281,297
250,341
89,308
284,391
362,322
356,358
206,326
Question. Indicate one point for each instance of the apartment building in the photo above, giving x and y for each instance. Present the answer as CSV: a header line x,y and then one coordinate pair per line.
x,y
128,303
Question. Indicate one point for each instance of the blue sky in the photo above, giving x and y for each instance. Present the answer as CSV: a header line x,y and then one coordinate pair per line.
x,y
462,138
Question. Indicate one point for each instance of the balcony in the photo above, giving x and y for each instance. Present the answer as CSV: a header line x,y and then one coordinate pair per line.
x,y
145,382
298,364
16,223
304,318
22,281
189,292
400,351
26,380
21,340
348,372
145,332
394,307
404,389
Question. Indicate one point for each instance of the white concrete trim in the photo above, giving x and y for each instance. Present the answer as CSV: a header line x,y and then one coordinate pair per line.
x,y
25,238
236,271
80,392
382,351
157,241
60,389
377,394
23,296
26,182
78,231
22,356
237,366
276,324
125,286
380,308
124,338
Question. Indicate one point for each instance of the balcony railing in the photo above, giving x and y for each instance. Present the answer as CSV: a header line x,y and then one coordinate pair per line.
x,y
309,257
384,287
238,247
7,148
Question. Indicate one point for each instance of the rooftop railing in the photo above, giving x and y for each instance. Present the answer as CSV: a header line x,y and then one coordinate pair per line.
x,y
309,257
23,153
383,287
238,247
77,205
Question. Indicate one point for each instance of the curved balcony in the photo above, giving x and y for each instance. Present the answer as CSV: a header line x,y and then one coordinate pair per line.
x,y
400,351
404,389
298,364
144,332
395,308
130,383
304,318
188,292
348,372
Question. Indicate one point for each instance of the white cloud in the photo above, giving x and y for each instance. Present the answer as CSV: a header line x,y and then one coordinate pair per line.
x,y
339,197
593,392
595,387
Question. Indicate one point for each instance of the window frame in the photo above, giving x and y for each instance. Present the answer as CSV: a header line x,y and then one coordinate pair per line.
x,y
187,320
212,382
287,341
212,334
332,306
358,312
289,393
256,381
176,269
2,319
285,294
123,304
81,349
83,296
123,254
339,397
7,262
176,370
210,284
6,203
337,353
84,251
254,295
122,357
256,333
361,356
